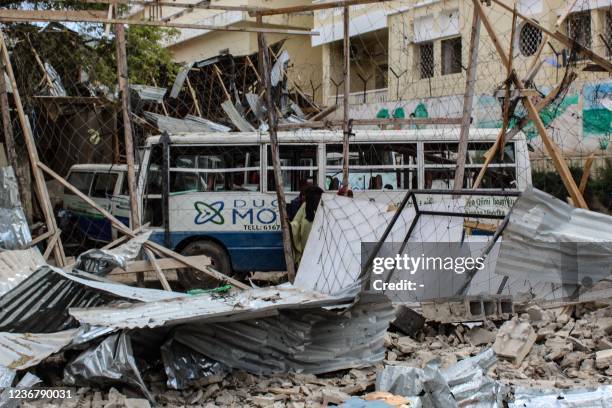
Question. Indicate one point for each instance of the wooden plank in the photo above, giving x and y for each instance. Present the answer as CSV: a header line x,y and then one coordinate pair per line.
x,y
468,100
324,113
346,76
122,75
264,61
565,12
68,15
194,97
41,187
60,16
154,246
39,239
586,172
204,5
51,245
163,263
158,271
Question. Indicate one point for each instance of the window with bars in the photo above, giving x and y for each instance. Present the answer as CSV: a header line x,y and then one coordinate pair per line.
x,y
451,56
426,60
579,29
530,38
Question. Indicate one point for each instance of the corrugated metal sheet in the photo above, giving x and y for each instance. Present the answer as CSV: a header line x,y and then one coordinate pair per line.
x,y
17,265
204,308
309,340
555,398
548,240
175,125
149,93
276,74
58,88
214,126
22,350
39,304
180,80
237,119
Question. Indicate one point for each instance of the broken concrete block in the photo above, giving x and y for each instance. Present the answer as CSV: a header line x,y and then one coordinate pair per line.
x,y
334,396
478,336
603,344
407,320
604,324
603,359
535,313
407,345
514,340
572,360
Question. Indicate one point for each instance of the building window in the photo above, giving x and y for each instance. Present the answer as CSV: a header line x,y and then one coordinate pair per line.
x,y
579,29
451,56
426,60
381,76
608,33
530,39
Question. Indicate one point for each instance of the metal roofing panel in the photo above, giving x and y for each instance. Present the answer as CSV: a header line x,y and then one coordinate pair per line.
x,y
17,265
549,240
206,307
22,350
149,93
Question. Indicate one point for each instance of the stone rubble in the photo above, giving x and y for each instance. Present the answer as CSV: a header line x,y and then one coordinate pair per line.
x,y
544,348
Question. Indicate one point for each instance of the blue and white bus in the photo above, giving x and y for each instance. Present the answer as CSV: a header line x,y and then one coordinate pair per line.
x,y
222,201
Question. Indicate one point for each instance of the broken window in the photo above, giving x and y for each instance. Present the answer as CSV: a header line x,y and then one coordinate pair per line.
x,y
579,29
530,38
104,185
373,166
426,60
298,167
214,168
81,180
451,56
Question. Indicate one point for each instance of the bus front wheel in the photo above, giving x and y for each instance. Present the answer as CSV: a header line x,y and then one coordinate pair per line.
x,y
220,261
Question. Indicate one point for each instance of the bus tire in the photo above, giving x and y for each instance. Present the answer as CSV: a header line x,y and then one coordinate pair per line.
x,y
193,279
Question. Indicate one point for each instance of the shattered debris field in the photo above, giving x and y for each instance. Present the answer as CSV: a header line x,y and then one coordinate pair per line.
x,y
306,203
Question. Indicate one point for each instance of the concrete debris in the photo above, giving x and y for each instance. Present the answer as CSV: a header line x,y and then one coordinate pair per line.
x,y
468,308
514,340
407,320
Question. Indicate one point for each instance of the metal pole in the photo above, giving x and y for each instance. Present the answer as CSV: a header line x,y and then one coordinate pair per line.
x,y
347,89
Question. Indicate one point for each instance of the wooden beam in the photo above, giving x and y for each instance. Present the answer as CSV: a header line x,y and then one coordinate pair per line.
x,y
194,97
61,16
264,65
163,263
565,12
158,271
324,113
315,6
586,172
204,5
564,39
468,100
41,187
154,246
51,244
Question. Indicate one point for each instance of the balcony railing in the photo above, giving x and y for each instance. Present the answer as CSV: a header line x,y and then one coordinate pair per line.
x,y
359,98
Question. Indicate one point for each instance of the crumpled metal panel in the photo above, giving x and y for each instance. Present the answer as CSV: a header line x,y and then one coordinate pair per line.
x,y
181,76
464,384
58,88
539,241
206,307
7,375
279,67
19,351
40,303
306,340
257,106
214,126
28,381
149,93
17,265
185,367
14,231
176,125
110,362
237,119
555,398
101,261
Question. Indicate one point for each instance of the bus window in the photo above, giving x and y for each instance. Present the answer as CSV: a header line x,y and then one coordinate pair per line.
x,y
441,160
298,166
104,185
214,168
81,180
152,200
374,166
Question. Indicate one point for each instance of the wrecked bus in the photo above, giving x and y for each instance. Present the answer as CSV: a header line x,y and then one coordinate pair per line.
x,y
221,202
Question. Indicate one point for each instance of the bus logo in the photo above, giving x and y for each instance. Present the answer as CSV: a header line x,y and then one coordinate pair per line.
x,y
209,212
